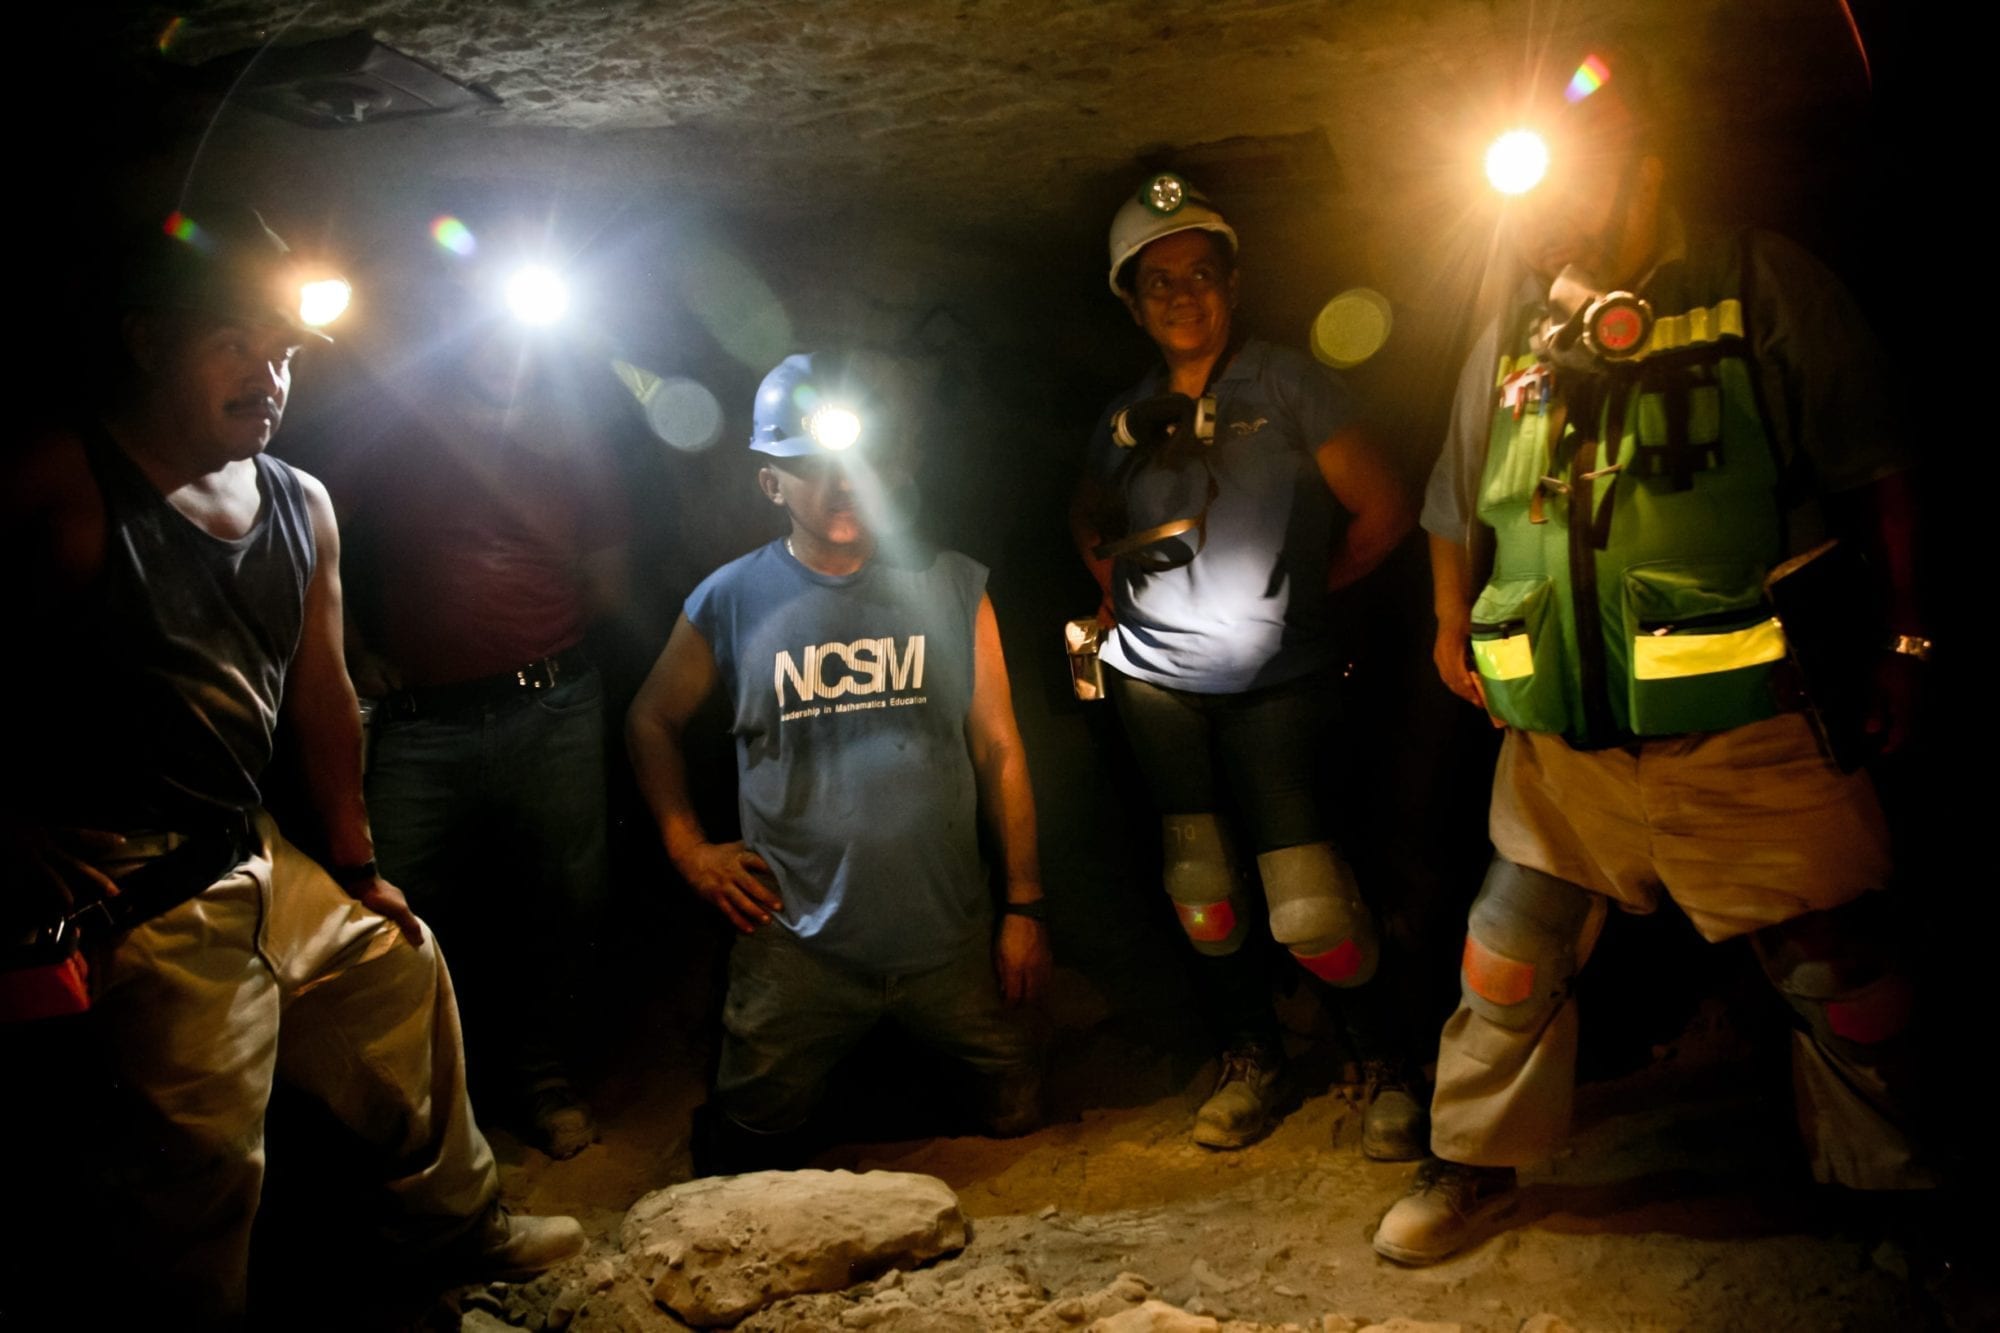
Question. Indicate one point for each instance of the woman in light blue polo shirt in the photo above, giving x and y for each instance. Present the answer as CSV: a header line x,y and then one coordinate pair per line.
x,y
1210,514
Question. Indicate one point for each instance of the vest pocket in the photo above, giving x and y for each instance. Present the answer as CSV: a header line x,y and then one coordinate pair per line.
x,y
1518,653
1704,644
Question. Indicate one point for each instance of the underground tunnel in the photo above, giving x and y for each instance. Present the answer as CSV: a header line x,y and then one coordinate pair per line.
x,y
605,229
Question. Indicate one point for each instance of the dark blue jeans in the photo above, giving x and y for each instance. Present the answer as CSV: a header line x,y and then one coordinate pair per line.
x,y
1255,758
1264,745
491,820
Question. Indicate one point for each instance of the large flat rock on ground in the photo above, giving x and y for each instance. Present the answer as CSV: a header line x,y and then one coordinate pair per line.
x,y
715,1250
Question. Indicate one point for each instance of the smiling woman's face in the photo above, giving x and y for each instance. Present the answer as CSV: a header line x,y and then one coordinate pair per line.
x,y
1183,292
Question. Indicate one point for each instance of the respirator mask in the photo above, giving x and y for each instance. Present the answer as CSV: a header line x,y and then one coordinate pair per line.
x,y
1584,328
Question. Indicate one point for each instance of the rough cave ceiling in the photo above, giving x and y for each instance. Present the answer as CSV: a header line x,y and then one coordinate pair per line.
x,y
1021,110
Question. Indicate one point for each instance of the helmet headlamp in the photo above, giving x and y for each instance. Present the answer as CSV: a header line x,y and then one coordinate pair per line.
x,y
834,427
1517,161
537,295
323,300
1164,194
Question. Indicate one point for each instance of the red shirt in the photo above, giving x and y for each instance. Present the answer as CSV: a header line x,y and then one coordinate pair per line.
x,y
467,550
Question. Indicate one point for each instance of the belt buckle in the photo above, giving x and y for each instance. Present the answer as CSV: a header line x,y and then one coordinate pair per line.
x,y
538,676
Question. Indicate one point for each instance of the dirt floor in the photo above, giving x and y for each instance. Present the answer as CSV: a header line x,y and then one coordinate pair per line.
x,y
1678,1206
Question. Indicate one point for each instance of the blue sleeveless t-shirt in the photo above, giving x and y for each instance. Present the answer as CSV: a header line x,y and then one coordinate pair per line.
x,y
849,699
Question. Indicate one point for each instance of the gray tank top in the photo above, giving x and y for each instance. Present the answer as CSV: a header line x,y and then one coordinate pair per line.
x,y
167,699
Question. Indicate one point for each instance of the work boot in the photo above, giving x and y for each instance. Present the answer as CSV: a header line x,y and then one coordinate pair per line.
x,y
560,1120
1010,1105
1248,1099
1447,1208
1395,1123
510,1247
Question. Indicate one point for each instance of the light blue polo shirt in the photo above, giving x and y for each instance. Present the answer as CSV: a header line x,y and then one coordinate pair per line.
x,y
1250,609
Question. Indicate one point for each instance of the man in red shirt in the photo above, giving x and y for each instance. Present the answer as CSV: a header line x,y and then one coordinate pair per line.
x,y
488,536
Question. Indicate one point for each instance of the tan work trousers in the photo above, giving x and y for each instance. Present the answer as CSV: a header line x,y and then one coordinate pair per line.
x,y
1745,829
274,970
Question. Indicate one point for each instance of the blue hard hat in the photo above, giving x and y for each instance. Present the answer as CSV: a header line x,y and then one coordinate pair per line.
x,y
805,408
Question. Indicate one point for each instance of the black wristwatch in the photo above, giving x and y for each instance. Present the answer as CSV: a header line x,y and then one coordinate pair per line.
x,y
1035,909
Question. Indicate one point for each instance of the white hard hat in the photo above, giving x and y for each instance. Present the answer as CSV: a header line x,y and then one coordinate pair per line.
x,y
1164,205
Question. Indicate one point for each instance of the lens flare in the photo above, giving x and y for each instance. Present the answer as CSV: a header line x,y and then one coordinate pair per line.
x,y
1591,75
537,295
834,427
1517,161
181,227
170,34
453,235
1352,327
323,301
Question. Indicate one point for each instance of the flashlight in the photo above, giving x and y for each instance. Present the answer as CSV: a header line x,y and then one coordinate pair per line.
x,y
833,427
1517,162
537,295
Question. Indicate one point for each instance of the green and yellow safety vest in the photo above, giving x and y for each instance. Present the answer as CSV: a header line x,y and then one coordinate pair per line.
x,y
1634,514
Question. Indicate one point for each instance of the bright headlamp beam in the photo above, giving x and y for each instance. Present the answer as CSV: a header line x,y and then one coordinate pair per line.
x,y
1517,161
834,427
323,301
537,295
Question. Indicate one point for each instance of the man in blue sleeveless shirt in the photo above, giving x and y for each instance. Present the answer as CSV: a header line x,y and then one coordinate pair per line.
x,y
191,584
874,729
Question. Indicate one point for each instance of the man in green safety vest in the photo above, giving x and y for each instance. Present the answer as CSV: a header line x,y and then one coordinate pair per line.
x,y
1663,422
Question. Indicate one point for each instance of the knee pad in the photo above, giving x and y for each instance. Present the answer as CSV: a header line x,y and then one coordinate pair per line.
x,y
1202,880
1317,913
1838,971
1521,945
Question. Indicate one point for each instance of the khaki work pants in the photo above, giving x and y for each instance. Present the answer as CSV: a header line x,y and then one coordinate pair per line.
x,y
275,971
1748,831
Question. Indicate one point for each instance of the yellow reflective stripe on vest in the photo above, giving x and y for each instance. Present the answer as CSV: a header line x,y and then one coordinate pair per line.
x,y
1666,656
1504,659
1705,324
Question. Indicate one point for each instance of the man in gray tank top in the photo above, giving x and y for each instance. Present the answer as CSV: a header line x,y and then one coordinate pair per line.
x,y
191,584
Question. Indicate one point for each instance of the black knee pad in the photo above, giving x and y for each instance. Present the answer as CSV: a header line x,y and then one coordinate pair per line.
x,y
1840,972
1521,945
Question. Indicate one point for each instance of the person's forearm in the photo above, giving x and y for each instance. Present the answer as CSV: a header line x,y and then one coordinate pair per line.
x,y
1007,803
1083,531
1892,530
1370,538
604,575
1451,582
659,764
326,723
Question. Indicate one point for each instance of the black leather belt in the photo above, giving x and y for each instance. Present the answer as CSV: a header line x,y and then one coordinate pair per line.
x,y
465,696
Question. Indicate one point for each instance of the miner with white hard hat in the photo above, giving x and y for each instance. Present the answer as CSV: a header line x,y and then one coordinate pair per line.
x,y
1211,515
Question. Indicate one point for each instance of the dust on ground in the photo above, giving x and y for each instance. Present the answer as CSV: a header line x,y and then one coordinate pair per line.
x,y
1678,1205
